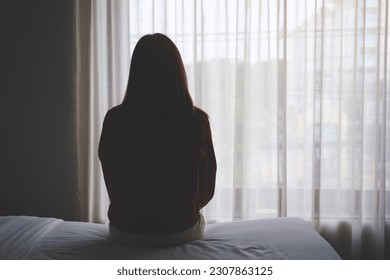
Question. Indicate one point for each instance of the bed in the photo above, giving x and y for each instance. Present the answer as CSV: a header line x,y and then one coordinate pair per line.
x,y
26,237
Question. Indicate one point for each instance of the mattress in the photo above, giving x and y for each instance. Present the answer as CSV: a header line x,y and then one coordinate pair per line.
x,y
26,237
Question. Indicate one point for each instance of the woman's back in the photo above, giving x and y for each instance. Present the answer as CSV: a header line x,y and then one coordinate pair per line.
x,y
156,150
156,186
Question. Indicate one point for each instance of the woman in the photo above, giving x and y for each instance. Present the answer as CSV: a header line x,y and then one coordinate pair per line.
x,y
156,152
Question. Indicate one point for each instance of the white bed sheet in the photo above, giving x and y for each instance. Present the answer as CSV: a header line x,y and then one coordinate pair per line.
x,y
24,237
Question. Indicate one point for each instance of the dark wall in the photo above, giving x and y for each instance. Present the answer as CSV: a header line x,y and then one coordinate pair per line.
x,y
37,156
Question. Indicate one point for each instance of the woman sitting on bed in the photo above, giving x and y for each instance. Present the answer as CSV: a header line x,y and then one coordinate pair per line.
x,y
156,153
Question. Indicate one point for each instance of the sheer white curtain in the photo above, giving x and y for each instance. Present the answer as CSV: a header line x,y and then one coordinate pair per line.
x,y
297,97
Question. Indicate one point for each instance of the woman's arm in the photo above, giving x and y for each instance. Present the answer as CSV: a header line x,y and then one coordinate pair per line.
x,y
207,167
105,151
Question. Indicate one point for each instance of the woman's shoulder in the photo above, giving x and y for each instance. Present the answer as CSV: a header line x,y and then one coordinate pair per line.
x,y
202,123
112,119
201,115
113,113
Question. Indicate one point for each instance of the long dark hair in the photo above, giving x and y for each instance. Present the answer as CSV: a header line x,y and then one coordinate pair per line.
x,y
157,100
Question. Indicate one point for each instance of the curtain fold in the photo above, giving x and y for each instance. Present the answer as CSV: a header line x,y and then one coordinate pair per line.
x,y
297,96
102,66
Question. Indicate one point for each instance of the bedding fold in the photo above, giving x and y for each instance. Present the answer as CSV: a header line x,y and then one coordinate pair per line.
x,y
268,239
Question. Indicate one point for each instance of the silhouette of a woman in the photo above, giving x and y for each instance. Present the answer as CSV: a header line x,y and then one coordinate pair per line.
x,y
157,153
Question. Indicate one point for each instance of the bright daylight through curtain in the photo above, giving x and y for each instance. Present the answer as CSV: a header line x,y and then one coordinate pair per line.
x,y
297,97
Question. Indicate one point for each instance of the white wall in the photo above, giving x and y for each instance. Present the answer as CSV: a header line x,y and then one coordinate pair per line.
x,y
37,158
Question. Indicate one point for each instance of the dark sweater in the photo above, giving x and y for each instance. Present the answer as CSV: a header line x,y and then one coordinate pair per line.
x,y
155,190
